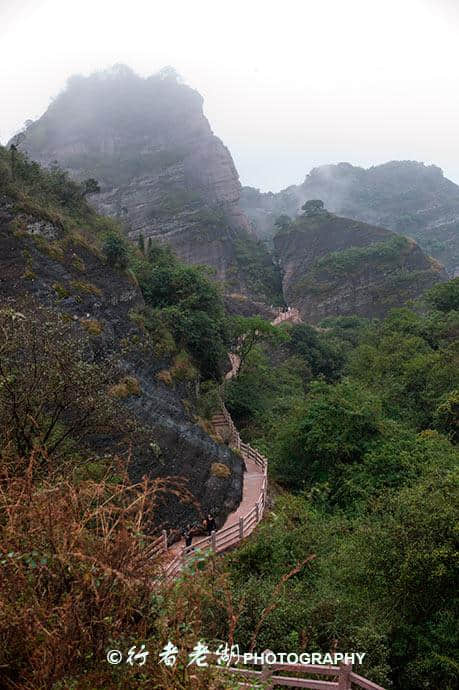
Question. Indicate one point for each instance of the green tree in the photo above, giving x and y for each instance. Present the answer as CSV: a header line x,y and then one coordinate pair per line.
x,y
446,416
247,332
445,296
282,222
91,186
319,355
313,207
115,250
141,243
335,428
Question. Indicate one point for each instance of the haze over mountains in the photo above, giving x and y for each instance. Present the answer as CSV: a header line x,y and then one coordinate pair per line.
x,y
166,176
407,197
161,169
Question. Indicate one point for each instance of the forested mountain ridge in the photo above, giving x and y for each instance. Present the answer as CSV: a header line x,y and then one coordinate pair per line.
x,y
407,197
161,170
164,175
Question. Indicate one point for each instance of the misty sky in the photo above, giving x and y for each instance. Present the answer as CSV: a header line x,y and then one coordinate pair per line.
x,y
287,85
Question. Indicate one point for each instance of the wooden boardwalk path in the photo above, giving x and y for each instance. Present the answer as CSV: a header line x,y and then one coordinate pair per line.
x,y
238,525
242,521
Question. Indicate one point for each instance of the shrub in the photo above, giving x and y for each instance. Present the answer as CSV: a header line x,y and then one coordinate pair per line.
x,y
82,577
61,291
92,326
335,428
115,250
86,288
218,469
209,400
165,376
61,397
444,297
129,385
183,369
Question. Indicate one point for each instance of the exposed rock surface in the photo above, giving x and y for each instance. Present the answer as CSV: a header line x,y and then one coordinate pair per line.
x,y
78,283
161,169
404,196
335,266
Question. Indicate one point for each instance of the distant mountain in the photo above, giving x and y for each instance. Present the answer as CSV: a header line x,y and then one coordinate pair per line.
x,y
335,266
161,169
407,197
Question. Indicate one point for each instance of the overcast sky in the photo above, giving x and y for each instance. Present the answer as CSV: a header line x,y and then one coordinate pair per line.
x,y
287,85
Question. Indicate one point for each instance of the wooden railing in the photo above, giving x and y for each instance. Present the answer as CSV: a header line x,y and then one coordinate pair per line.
x,y
343,676
290,314
229,536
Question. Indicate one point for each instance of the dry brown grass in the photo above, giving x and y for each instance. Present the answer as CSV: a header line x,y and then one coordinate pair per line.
x,y
165,376
85,287
129,385
78,580
92,326
218,469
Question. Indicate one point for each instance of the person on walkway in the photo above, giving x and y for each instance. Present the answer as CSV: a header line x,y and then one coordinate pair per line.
x,y
210,524
187,535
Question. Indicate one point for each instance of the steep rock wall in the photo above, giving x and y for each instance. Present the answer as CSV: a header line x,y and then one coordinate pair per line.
x,y
161,169
335,266
32,267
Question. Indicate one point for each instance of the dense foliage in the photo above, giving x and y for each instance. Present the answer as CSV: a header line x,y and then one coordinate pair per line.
x,y
78,574
260,272
359,421
185,302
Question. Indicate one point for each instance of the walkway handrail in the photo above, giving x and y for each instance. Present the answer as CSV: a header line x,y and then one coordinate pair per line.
x,y
344,678
231,535
227,537
290,314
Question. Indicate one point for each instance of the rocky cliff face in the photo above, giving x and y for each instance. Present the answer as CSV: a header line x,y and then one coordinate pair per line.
x,y
404,196
161,169
41,262
335,266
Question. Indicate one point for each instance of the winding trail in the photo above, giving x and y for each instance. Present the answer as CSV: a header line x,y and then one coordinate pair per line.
x,y
238,525
243,520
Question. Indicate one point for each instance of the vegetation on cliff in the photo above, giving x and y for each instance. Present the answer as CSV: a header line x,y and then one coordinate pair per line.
x,y
162,172
338,266
184,306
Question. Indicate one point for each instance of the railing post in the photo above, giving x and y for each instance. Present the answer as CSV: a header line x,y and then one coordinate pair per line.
x,y
213,540
344,680
257,511
241,528
267,672
165,539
